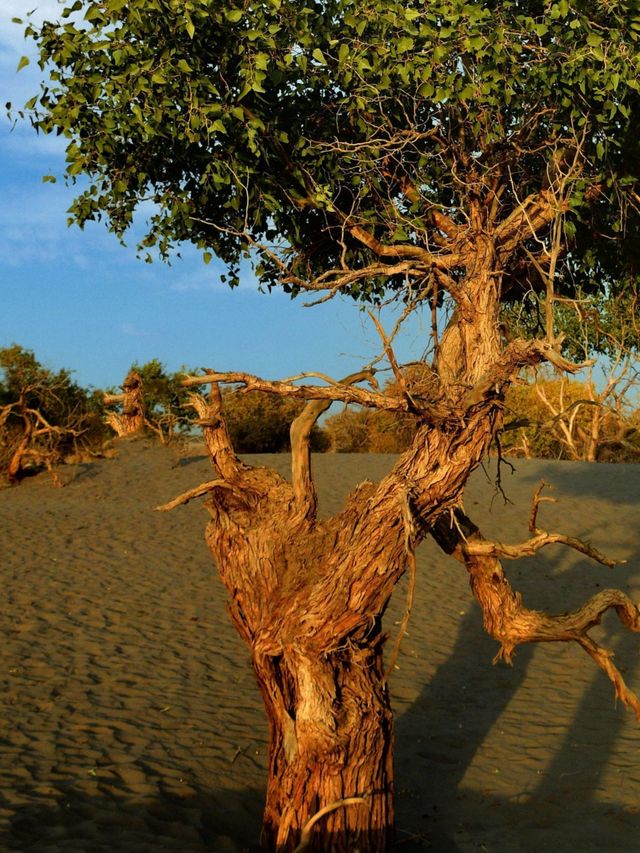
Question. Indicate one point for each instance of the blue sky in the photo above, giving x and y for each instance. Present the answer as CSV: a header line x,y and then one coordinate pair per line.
x,y
82,301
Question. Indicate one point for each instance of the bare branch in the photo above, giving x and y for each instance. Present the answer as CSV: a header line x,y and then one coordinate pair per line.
x,y
388,349
510,623
197,492
303,486
533,545
336,392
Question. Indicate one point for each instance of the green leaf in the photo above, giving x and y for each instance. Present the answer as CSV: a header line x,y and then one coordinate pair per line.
x,y
404,44
24,61
233,15
189,27
207,257
318,55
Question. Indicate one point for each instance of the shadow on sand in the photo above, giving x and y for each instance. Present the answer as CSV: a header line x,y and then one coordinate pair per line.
x,y
553,708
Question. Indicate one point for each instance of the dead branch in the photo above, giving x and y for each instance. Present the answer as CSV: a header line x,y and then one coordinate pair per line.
x,y
197,492
538,498
214,432
391,356
511,623
533,545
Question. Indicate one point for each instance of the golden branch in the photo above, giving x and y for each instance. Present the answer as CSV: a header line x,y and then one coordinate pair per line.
x,y
511,623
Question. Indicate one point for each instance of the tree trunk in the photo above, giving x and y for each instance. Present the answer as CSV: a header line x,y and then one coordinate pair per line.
x,y
308,598
15,470
132,420
330,740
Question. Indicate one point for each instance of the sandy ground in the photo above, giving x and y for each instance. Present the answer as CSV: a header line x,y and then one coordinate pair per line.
x,y
129,719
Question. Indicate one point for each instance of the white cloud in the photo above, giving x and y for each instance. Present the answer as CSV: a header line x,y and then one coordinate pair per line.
x,y
132,331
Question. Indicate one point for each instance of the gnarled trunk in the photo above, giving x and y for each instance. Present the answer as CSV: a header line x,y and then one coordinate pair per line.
x,y
308,597
330,741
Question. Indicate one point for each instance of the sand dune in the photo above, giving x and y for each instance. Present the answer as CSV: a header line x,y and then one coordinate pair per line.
x,y
130,719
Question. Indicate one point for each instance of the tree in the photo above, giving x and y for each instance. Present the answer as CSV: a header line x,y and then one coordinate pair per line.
x,y
371,431
152,399
590,419
45,417
452,155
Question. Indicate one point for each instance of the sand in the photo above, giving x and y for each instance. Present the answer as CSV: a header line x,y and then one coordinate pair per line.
x,y
129,716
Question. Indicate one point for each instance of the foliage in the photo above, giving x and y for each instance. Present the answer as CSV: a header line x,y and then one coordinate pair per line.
x,y
259,423
318,131
45,416
166,401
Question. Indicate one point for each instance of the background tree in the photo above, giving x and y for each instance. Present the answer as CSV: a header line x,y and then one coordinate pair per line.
x,y
372,431
261,424
592,419
452,155
152,399
45,417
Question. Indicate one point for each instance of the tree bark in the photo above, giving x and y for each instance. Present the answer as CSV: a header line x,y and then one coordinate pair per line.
x,y
308,597
132,420
331,739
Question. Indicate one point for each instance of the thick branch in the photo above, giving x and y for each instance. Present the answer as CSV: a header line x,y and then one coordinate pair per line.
x,y
531,217
518,354
215,433
301,428
337,392
510,623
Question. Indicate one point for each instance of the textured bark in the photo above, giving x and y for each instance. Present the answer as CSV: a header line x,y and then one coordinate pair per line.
x,y
511,623
131,421
307,596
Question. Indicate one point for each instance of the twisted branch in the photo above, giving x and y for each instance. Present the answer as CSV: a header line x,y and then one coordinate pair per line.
x,y
509,621
300,432
337,391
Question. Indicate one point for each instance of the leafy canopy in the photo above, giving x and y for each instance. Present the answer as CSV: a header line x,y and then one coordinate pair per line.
x,y
323,130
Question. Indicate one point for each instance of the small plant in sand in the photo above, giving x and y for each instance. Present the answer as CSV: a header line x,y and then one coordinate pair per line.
x,y
45,417
450,156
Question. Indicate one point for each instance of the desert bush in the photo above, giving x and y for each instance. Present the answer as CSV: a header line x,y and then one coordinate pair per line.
x,y
557,418
45,417
258,423
377,431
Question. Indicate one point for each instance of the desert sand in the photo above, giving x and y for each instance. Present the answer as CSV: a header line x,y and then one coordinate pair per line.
x,y
130,720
